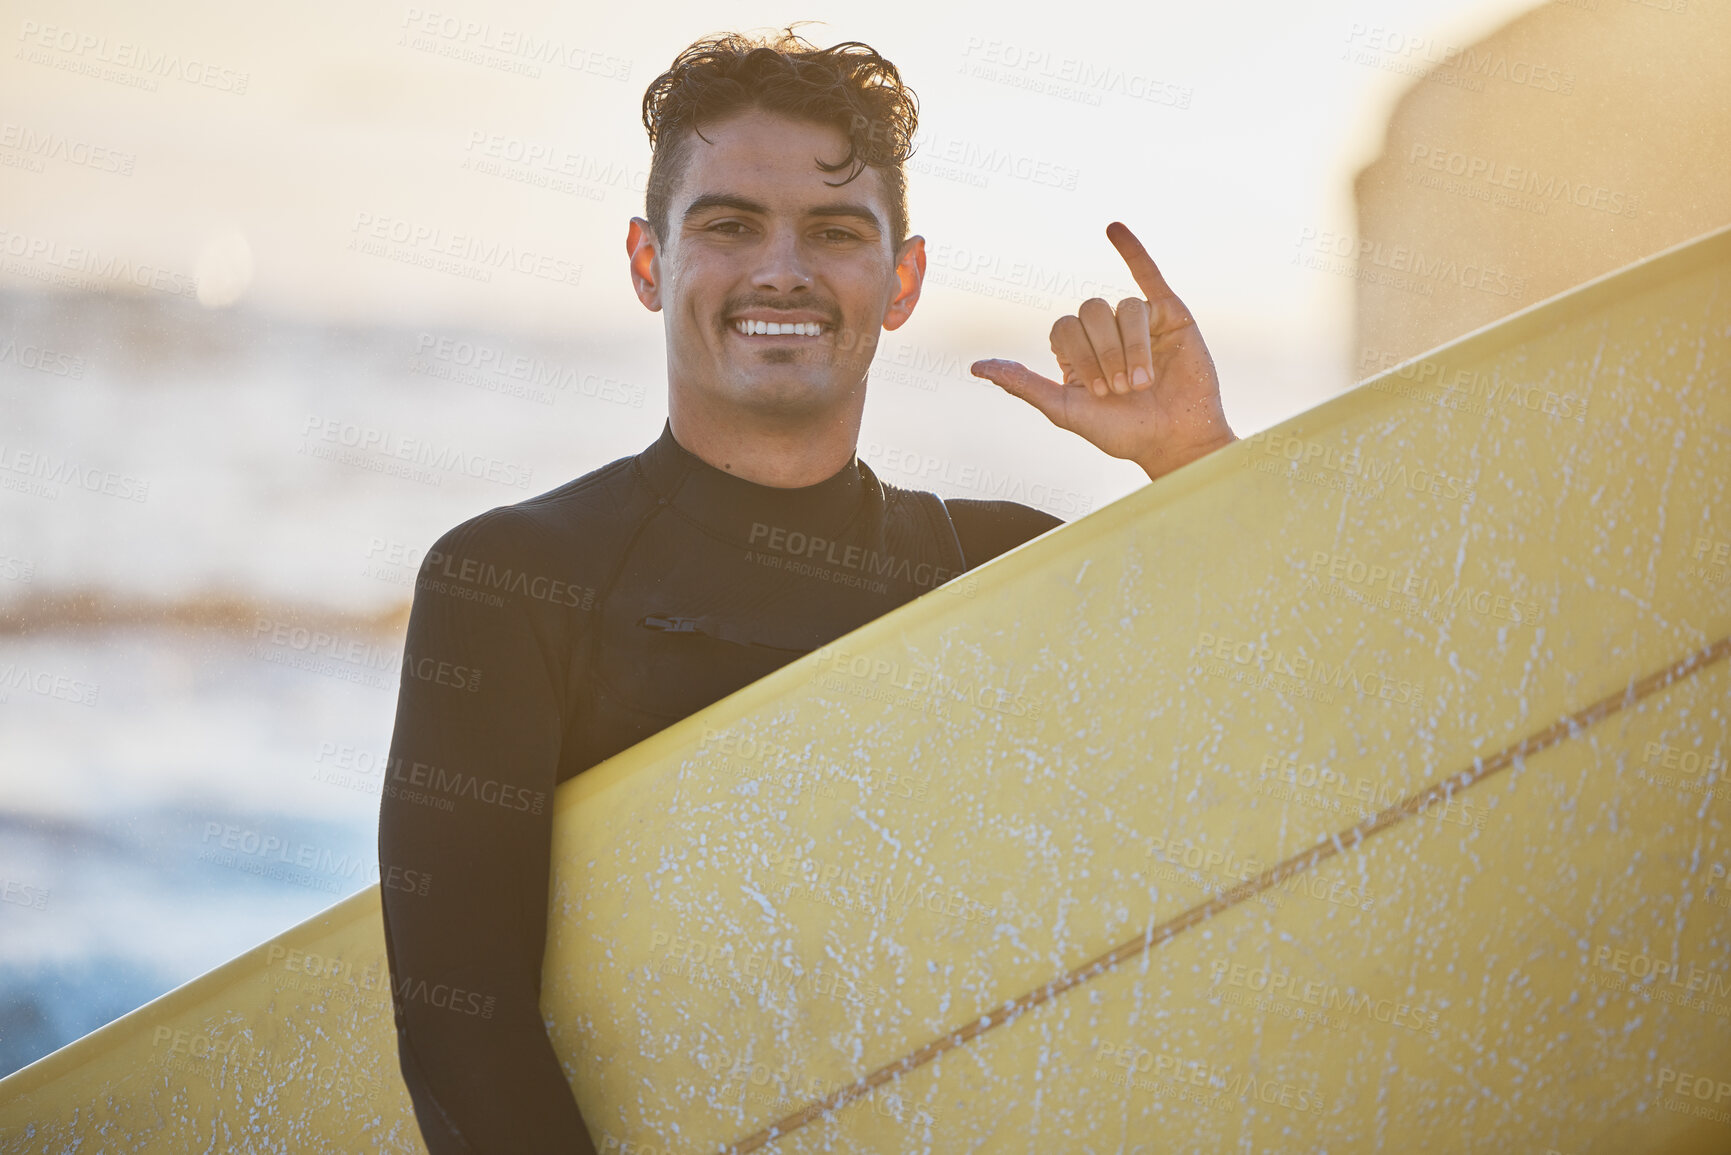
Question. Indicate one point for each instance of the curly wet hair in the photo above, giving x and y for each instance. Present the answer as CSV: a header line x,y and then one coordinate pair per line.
x,y
847,86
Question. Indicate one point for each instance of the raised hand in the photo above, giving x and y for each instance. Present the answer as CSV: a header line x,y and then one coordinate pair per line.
x,y
1138,381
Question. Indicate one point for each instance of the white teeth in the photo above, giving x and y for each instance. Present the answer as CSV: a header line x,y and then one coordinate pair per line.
x,y
777,329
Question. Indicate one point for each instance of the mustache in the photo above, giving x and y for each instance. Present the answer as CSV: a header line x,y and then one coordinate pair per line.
x,y
831,314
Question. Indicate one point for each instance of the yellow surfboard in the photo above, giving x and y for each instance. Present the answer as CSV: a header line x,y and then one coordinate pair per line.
x,y
1358,787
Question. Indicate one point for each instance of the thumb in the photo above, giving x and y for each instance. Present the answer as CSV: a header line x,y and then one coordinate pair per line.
x,y
1018,380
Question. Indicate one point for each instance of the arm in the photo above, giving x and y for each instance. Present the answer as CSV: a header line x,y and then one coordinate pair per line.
x,y
1138,382
465,831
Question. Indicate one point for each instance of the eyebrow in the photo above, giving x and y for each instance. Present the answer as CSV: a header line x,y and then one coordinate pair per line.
x,y
747,205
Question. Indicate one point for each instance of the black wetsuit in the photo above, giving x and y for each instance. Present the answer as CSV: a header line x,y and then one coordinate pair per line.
x,y
549,635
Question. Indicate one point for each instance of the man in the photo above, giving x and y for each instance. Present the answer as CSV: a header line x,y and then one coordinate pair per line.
x,y
554,633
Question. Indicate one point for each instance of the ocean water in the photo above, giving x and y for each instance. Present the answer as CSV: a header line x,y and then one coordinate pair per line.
x,y
167,825
181,490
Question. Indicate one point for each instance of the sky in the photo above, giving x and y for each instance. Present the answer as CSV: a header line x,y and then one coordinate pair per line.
x,y
1217,132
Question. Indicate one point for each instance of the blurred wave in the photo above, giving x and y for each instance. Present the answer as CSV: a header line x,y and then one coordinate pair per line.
x,y
86,609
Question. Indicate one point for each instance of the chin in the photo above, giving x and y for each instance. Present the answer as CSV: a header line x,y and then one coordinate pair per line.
x,y
785,399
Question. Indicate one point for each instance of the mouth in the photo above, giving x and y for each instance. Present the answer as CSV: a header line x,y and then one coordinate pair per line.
x,y
763,330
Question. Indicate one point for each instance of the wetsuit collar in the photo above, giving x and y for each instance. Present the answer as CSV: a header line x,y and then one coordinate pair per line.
x,y
734,506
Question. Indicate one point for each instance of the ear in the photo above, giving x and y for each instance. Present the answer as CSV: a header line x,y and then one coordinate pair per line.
x,y
910,275
645,253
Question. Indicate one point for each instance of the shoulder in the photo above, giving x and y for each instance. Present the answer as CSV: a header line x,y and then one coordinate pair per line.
x,y
554,550
989,528
581,510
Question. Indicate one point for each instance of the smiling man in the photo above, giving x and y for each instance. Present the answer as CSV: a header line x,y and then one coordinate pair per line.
x,y
549,635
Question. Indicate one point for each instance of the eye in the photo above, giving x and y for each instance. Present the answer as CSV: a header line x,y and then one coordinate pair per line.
x,y
836,233
726,226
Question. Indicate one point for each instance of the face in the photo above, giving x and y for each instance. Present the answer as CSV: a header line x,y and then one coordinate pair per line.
x,y
759,240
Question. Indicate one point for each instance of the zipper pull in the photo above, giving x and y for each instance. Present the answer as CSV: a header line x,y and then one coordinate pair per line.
x,y
672,625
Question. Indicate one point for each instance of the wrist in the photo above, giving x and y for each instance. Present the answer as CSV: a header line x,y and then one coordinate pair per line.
x,y
1159,465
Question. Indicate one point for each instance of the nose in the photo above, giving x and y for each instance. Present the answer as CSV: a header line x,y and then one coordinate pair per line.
x,y
782,266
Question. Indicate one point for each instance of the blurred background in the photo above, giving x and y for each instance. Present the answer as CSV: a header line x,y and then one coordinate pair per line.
x,y
263,338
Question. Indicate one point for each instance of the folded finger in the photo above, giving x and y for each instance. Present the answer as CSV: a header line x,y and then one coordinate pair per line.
x,y
1076,357
1133,332
1102,330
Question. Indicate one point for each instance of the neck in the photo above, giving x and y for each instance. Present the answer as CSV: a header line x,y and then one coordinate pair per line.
x,y
786,456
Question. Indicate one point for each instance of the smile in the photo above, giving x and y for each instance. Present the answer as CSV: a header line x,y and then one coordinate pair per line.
x,y
779,329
